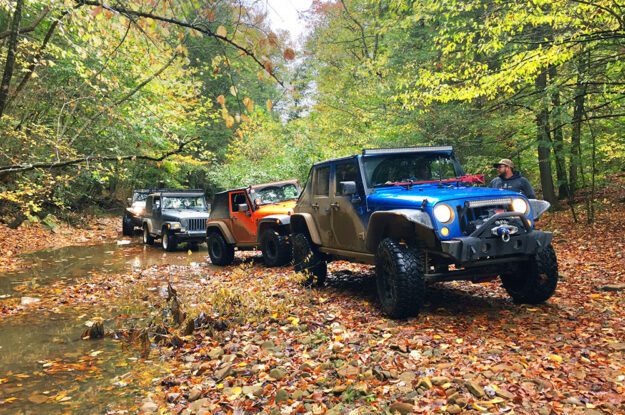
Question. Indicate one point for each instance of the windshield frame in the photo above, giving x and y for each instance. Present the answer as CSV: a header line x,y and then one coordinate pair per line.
x,y
197,208
459,171
253,194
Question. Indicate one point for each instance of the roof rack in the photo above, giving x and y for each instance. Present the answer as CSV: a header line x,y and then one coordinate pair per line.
x,y
399,150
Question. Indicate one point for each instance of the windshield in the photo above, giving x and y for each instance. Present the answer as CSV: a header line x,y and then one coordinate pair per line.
x,y
140,196
274,194
407,168
184,202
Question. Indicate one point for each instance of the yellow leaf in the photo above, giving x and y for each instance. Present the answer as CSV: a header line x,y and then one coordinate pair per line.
x,y
233,90
221,100
269,105
222,31
249,104
555,358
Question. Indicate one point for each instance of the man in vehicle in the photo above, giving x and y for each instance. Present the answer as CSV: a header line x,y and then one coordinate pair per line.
x,y
511,180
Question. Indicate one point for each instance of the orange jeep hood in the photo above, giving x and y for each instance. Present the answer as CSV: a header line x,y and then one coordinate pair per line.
x,y
282,208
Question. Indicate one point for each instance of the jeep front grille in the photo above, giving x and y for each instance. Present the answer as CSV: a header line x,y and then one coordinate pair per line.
x,y
475,213
197,224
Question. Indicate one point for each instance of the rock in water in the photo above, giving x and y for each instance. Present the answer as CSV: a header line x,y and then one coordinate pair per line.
x,y
95,329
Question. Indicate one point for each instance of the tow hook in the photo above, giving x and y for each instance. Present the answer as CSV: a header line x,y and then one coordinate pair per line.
x,y
504,232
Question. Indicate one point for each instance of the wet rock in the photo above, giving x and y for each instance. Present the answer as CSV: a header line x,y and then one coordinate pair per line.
x,y
215,353
277,373
439,380
425,383
298,395
253,390
195,394
335,410
407,377
453,397
504,394
94,330
454,409
402,407
475,389
573,401
282,395
223,372
29,300
612,287
268,345
173,397
50,222
149,407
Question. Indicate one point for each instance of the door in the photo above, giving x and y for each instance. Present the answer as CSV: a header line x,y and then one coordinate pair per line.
x,y
348,210
321,204
243,228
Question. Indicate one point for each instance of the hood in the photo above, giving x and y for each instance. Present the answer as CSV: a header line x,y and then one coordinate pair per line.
x,y
398,197
185,214
281,208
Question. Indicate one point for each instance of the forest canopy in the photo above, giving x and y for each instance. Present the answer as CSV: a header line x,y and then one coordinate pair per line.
x,y
99,97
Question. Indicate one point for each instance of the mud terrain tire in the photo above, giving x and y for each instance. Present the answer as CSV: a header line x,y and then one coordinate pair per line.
x,y
127,228
169,241
276,248
147,238
536,281
399,279
220,252
307,259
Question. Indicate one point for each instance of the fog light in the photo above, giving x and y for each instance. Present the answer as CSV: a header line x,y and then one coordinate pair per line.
x,y
444,231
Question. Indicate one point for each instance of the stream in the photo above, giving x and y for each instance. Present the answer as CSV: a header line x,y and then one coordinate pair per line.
x,y
45,366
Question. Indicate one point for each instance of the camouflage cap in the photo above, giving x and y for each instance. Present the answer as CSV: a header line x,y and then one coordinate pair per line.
x,y
505,162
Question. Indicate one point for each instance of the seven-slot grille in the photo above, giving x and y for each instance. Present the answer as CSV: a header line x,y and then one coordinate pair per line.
x,y
475,212
197,224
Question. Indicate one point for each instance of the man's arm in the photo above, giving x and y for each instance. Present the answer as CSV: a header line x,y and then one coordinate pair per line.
x,y
527,189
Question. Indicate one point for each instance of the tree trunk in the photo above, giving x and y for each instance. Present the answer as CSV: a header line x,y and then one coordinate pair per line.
x,y
576,135
544,141
10,62
558,138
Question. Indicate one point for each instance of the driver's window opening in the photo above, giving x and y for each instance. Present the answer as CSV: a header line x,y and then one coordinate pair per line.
x,y
322,181
347,172
238,199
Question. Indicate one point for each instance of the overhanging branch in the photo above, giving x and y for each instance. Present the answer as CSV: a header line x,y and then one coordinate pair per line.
x,y
204,30
19,168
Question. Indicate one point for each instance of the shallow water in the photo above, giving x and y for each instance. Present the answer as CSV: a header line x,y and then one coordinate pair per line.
x,y
45,366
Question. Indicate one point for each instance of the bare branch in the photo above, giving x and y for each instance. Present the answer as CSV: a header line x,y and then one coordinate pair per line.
x,y
19,168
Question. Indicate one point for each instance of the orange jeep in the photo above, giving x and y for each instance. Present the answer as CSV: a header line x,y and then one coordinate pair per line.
x,y
250,217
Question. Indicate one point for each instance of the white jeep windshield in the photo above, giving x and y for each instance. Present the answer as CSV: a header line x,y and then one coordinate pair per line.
x,y
184,202
394,169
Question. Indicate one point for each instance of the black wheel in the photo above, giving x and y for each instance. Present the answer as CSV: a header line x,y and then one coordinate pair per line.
x,y
399,278
307,259
220,252
127,227
169,241
147,238
276,248
535,281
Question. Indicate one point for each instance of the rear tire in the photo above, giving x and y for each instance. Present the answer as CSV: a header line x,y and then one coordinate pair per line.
x,y
127,227
307,259
168,241
276,248
399,278
147,238
220,252
534,282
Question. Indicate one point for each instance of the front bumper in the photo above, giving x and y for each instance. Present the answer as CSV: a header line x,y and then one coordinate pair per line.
x,y
190,235
481,244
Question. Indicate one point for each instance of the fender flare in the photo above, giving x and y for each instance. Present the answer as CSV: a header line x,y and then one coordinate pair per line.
x,y
304,222
275,221
221,227
410,224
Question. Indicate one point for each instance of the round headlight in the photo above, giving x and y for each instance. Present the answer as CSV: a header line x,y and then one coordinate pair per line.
x,y
443,213
521,206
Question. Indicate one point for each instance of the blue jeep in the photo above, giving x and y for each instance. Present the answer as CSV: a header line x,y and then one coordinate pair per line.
x,y
415,214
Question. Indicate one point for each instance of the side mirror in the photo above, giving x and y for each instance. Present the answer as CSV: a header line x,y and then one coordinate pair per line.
x,y
348,188
242,207
129,200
